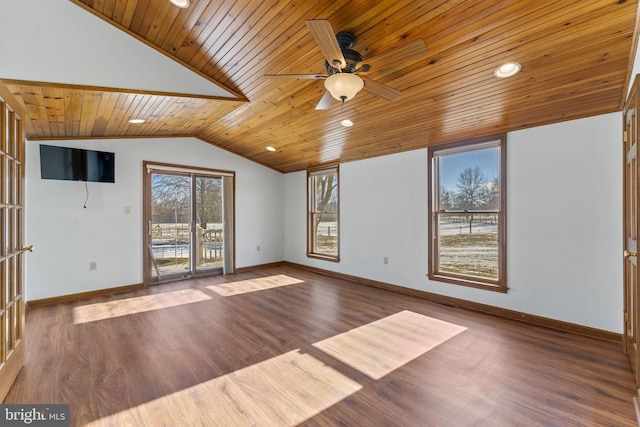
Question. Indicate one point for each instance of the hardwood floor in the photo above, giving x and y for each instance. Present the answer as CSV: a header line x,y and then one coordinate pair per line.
x,y
283,346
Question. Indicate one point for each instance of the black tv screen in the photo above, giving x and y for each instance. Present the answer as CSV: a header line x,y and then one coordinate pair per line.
x,y
76,164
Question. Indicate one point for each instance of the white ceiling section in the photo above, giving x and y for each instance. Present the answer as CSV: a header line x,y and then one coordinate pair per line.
x,y
75,47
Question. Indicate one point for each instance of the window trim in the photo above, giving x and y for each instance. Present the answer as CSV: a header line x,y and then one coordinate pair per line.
x,y
310,235
468,145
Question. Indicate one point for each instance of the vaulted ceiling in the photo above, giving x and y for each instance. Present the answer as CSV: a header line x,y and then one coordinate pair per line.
x,y
576,58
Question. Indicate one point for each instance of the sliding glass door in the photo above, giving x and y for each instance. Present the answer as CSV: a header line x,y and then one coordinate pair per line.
x,y
170,226
185,212
208,225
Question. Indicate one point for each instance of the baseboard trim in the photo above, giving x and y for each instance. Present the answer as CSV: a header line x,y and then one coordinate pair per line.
x,y
260,266
84,295
470,305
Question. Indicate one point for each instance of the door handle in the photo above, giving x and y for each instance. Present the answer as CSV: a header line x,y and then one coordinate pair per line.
x,y
628,254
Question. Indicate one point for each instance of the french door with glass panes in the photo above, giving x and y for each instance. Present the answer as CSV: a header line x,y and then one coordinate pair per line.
x,y
188,224
12,314
631,226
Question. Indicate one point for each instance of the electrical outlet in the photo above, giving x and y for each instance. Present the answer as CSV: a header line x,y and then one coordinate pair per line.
x,y
127,210
93,266
386,260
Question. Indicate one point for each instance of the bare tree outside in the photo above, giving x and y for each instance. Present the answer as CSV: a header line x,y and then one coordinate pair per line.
x,y
171,192
325,195
446,199
474,193
474,251
171,203
171,197
472,190
324,215
467,213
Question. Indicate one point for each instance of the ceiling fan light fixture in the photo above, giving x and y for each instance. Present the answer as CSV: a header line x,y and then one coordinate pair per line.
x,y
343,86
180,3
507,70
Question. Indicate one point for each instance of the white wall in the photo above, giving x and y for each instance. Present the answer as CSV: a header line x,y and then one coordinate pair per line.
x,y
67,44
635,69
67,237
564,223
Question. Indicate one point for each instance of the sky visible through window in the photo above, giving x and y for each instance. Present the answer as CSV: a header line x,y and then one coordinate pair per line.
x,y
452,165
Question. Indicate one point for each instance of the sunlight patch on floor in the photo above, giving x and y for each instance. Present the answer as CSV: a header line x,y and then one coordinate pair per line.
x,y
380,347
282,391
253,285
124,307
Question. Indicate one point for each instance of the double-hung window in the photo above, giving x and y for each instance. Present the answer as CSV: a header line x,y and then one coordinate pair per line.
x,y
323,219
467,206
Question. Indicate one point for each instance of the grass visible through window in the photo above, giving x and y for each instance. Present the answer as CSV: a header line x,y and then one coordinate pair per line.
x,y
468,245
473,255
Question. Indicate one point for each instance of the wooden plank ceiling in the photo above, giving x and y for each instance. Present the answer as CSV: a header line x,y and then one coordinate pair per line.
x,y
575,56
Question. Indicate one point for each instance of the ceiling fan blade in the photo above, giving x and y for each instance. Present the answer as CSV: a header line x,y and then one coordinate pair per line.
x,y
325,101
298,76
323,34
380,90
397,58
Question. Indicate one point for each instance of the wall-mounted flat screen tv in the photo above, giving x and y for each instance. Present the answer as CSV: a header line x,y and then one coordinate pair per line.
x,y
76,164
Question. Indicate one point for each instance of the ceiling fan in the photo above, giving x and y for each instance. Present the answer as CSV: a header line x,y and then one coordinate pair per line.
x,y
344,66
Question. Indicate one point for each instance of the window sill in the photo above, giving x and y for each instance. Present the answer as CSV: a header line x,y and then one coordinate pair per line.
x,y
469,282
323,257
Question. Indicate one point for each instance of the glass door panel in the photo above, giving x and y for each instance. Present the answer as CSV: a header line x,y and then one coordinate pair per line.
x,y
208,223
184,214
12,313
170,226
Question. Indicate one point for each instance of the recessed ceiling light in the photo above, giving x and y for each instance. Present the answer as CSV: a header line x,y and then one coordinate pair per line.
x,y
136,121
270,148
507,70
346,123
180,3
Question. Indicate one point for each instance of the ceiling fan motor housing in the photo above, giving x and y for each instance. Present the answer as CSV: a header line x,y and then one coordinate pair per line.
x,y
346,41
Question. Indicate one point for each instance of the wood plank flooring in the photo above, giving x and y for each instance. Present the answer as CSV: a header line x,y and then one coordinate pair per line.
x,y
282,346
